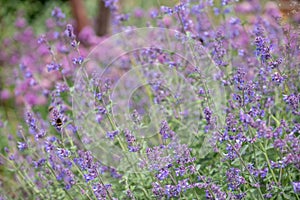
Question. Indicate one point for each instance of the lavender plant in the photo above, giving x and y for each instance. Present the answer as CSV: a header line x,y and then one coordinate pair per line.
x,y
202,103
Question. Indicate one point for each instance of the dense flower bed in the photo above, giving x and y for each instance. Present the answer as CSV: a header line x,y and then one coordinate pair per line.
x,y
206,105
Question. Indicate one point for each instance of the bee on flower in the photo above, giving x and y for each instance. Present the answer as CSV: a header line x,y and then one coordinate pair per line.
x,y
56,118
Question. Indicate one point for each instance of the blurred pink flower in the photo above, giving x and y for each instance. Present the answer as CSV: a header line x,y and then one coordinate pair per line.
x,y
5,94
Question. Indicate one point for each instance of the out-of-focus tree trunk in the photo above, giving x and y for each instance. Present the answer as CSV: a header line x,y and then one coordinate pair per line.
x,y
102,20
289,7
80,15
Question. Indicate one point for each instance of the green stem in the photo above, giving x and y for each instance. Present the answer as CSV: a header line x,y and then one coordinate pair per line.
x,y
268,162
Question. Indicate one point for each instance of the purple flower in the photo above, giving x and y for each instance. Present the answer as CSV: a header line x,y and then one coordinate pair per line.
x,y
262,49
279,143
84,160
165,130
225,2
239,196
92,174
166,10
78,61
183,185
99,118
217,193
11,157
162,174
296,187
48,146
157,190
40,134
69,32
192,169
98,96
20,22
129,194
135,116
61,87
57,118
154,13
231,123
264,172
234,179
121,18
180,171
111,4
53,67
276,63
111,135
22,146
268,196
40,163
219,50
252,170
114,173
171,191
31,122
28,74
277,78
138,13
6,149
182,154
293,101
57,14
180,7
133,148
63,153
207,115
231,154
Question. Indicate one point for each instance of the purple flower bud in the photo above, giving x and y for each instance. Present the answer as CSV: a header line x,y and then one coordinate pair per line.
x,y
154,13
165,130
111,135
69,32
98,95
11,157
40,163
22,146
78,61
6,149
162,174
53,67
166,10
63,153
296,187
234,179
180,171
100,190
111,4
133,148
91,175
57,14
277,78
22,67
